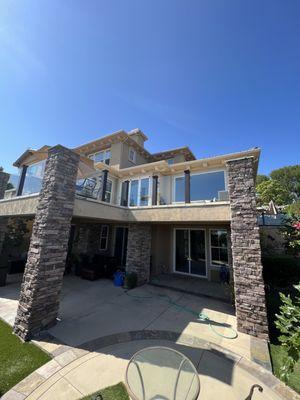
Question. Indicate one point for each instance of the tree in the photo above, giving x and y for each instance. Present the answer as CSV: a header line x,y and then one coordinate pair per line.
x,y
294,209
288,322
289,177
261,178
273,190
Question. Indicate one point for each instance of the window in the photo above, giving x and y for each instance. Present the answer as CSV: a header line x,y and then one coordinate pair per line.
x,y
124,194
34,177
207,185
203,186
170,161
179,189
139,192
134,188
104,237
144,192
219,247
101,156
108,191
132,155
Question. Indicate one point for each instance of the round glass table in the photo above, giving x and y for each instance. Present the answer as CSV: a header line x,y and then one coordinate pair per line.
x,y
161,373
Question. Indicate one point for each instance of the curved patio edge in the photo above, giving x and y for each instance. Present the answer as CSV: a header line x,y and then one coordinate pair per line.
x,y
65,355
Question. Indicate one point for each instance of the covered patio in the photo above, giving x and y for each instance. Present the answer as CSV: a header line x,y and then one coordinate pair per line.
x,y
100,326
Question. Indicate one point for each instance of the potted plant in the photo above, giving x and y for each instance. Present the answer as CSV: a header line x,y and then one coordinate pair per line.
x,y
3,270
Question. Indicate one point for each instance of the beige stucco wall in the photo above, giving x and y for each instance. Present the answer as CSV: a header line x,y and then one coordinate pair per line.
x,y
210,212
125,163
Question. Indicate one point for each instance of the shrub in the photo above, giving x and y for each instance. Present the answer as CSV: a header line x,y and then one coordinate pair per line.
x,y
288,323
281,270
131,280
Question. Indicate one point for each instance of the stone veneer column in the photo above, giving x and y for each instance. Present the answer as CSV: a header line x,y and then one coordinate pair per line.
x,y
246,253
43,276
139,251
4,177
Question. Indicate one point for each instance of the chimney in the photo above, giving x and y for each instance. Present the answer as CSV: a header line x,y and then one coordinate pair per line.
x,y
138,136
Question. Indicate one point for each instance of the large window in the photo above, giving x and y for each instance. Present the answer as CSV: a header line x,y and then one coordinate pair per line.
x,y
139,192
219,247
101,156
204,186
34,177
179,189
104,237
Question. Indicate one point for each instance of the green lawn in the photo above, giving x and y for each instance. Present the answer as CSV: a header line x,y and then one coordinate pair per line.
x,y
17,359
117,392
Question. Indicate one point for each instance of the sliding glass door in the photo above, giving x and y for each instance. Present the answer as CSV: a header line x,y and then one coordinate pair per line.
x,y
190,252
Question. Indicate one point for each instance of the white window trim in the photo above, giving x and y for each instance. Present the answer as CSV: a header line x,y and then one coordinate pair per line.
x,y
104,237
92,155
133,160
174,252
192,174
137,178
217,247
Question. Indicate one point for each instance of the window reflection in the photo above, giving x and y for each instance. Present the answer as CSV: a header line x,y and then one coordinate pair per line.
x,y
34,177
219,247
206,186
134,193
179,189
144,192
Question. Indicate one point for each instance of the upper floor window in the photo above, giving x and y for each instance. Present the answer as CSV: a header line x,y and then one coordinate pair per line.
x,y
101,156
108,191
170,161
92,187
139,192
34,177
203,186
132,155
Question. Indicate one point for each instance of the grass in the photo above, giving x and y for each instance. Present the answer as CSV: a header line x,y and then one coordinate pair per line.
x,y
17,359
117,392
277,355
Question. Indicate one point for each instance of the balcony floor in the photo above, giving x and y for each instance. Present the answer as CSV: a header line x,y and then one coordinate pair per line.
x,y
192,285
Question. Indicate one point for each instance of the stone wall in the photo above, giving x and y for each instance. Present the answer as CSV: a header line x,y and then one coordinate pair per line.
x,y
139,251
246,252
4,177
43,276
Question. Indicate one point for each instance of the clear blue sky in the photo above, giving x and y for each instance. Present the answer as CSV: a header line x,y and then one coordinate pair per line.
x,y
217,75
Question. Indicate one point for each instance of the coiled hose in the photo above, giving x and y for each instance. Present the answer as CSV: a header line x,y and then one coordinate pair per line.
x,y
200,316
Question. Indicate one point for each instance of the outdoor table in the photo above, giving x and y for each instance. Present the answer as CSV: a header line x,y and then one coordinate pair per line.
x,y
161,373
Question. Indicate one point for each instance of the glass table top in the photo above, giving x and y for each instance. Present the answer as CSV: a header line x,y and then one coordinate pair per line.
x,y
161,373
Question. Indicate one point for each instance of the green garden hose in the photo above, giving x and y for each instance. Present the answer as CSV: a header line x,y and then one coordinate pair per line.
x,y
200,316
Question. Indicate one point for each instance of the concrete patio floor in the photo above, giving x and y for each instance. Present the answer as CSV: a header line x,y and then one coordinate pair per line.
x,y
101,327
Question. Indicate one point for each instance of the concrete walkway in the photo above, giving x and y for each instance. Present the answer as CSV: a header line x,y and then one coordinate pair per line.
x,y
101,327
